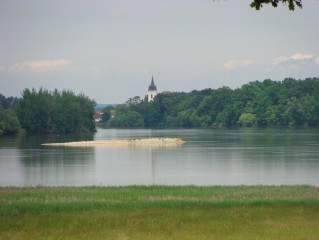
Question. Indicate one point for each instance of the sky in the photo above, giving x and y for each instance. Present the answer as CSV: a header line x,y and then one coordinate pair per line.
x,y
110,49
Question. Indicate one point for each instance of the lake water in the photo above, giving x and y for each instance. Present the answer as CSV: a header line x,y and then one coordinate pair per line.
x,y
208,157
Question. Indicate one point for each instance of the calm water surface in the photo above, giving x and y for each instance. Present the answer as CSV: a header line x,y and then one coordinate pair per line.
x,y
209,157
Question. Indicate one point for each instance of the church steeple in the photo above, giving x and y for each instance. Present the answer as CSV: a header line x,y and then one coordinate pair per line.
x,y
152,87
152,91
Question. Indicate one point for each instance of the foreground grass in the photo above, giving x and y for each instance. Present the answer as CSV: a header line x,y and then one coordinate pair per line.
x,y
160,212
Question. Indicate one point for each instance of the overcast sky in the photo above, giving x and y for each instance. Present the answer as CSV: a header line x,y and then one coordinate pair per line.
x,y
109,49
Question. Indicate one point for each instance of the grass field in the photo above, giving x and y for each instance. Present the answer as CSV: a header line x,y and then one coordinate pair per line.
x,y
160,212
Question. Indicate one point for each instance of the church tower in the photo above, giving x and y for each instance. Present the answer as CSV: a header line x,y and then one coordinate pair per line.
x,y
152,91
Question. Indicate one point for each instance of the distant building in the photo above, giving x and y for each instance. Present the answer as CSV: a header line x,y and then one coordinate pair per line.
x,y
98,116
152,91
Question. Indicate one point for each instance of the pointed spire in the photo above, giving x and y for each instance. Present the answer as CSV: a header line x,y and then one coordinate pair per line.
x,y
152,87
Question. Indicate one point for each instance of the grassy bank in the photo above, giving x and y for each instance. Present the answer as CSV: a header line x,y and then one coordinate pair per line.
x,y
68,199
160,212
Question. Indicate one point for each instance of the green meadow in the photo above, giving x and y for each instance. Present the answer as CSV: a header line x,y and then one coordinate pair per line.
x,y
160,212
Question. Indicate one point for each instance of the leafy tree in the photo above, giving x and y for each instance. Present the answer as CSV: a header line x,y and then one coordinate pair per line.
x,y
258,4
187,119
129,119
271,116
87,112
155,112
205,107
220,99
35,110
248,120
292,4
68,113
9,123
8,103
55,112
311,110
294,114
134,100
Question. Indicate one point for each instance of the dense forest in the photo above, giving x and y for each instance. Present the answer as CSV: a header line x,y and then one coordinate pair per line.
x,y
43,111
287,103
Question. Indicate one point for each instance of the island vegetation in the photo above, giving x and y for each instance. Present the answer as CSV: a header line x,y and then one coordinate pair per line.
x,y
287,103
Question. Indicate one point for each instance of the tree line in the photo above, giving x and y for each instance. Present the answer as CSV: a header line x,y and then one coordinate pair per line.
x,y
287,103
43,111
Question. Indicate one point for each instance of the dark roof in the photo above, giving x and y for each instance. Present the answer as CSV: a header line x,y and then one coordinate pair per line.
x,y
152,87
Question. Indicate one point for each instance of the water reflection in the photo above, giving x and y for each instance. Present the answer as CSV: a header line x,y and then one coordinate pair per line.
x,y
23,161
10,171
58,166
124,165
209,157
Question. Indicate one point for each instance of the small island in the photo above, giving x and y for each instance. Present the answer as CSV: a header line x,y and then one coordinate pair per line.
x,y
137,142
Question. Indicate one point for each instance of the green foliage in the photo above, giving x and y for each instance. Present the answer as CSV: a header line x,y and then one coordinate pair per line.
x,y
186,119
55,112
134,100
248,120
288,103
129,119
9,123
258,4
8,103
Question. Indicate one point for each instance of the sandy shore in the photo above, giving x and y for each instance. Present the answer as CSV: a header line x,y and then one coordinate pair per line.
x,y
139,142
